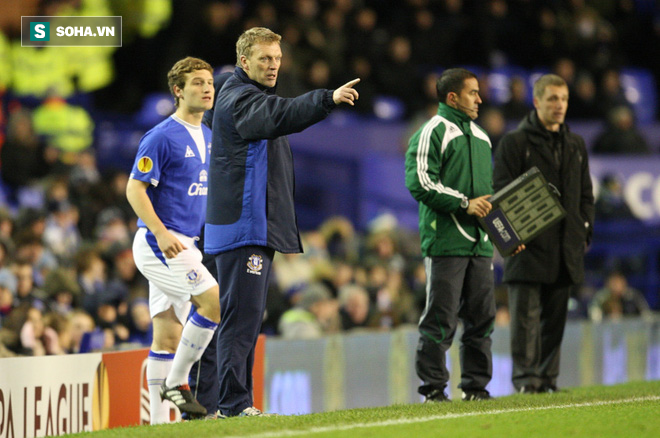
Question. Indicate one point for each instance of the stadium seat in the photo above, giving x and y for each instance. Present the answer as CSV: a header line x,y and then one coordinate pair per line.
x,y
499,80
155,107
640,90
388,108
92,341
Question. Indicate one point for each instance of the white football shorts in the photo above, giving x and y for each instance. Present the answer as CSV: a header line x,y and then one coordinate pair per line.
x,y
171,281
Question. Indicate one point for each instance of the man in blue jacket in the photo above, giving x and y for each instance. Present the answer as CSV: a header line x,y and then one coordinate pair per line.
x,y
250,212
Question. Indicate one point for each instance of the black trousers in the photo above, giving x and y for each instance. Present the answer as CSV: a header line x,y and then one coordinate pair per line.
x,y
538,317
457,288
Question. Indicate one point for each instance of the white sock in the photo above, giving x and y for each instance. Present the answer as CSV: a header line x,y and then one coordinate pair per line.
x,y
159,364
196,335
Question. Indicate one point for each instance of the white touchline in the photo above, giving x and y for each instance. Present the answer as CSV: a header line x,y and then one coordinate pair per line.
x,y
441,417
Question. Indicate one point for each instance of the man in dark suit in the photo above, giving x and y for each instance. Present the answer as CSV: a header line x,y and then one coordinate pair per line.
x,y
540,278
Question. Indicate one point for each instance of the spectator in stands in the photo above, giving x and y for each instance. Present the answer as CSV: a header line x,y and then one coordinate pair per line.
x,y
249,116
426,49
81,323
335,37
398,75
540,278
318,75
63,291
611,203
621,135
167,189
61,235
26,290
584,101
88,192
6,228
578,303
25,333
125,279
7,292
57,331
550,37
341,239
30,221
366,37
141,329
91,272
314,315
494,123
30,248
566,69
6,256
516,107
452,189
25,157
354,307
610,92
111,228
393,303
618,299
69,128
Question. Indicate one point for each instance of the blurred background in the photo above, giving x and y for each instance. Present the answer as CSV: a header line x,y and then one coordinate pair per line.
x,y
71,119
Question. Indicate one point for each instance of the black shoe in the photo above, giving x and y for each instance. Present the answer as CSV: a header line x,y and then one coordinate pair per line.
x,y
476,394
183,399
528,389
436,396
549,389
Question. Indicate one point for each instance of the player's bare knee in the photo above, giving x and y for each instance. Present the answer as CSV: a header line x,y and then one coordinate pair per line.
x,y
208,304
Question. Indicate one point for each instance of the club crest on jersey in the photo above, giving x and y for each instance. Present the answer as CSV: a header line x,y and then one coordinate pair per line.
x,y
145,164
255,264
193,277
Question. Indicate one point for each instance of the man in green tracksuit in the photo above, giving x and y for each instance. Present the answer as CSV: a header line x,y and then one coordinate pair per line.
x,y
449,172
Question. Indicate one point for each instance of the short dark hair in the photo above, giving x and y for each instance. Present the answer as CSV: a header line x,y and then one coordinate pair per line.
x,y
452,81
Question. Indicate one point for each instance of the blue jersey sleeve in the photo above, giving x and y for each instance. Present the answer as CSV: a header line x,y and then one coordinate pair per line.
x,y
149,158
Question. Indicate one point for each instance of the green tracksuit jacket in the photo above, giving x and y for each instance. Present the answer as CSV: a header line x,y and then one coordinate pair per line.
x,y
449,157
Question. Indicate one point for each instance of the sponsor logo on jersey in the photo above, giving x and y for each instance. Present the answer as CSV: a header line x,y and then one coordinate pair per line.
x,y
197,189
145,164
189,152
255,264
203,176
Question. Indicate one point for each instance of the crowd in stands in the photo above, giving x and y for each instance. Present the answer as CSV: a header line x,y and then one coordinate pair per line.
x,y
66,229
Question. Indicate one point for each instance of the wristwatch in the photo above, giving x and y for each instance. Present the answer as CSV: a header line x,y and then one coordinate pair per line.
x,y
465,203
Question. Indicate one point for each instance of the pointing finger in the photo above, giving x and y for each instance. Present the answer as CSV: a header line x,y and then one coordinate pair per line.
x,y
351,83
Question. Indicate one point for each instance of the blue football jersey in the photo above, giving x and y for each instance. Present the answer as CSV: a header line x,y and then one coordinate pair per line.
x,y
169,160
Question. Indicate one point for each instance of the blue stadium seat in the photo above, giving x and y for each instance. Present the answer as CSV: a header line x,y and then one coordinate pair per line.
x,y
92,341
499,80
155,108
388,108
640,90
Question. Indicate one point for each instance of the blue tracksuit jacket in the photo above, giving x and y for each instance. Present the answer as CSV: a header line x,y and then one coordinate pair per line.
x,y
251,181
